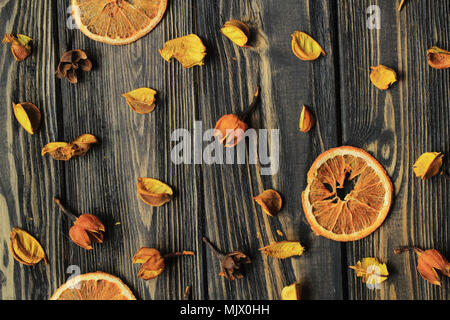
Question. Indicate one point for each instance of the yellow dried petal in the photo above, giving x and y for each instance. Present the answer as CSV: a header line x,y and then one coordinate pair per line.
x,y
305,47
307,120
236,31
154,192
291,292
283,249
438,58
83,144
188,50
371,270
59,150
383,77
428,165
141,100
28,115
25,248
270,201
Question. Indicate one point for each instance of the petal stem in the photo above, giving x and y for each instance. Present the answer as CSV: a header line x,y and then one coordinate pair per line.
x,y
244,115
216,252
67,212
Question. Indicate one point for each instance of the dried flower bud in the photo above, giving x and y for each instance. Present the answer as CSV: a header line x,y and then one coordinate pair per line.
x,y
20,45
153,262
291,292
70,62
428,262
383,77
230,128
307,120
438,58
428,165
87,228
28,115
231,262
305,47
236,31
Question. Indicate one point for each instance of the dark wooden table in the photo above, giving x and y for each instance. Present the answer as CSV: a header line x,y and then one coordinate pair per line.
x,y
396,126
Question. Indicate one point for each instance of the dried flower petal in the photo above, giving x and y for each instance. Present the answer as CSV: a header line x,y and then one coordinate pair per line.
x,y
438,58
236,31
291,292
383,77
154,192
28,115
428,262
80,237
83,144
230,130
283,249
65,151
371,270
428,165
306,120
141,100
71,61
270,201
25,248
305,47
188,50
20,45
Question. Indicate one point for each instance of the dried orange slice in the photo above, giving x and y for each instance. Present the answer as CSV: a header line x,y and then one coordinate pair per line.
x,y
348,195
93,286
117,21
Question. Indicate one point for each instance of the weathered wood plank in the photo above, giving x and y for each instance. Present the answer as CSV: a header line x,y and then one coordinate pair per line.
x,y
132,146
232,220
28,180
396,126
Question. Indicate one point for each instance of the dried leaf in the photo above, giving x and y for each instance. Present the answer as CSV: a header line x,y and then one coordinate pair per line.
x,y
438,58
28,115
188,50
20,45
65,151
236,31
428,262
305,47
141,100
283,249
25,248
270,201
428,165
291,292
307,120
371,270
383,77
154,192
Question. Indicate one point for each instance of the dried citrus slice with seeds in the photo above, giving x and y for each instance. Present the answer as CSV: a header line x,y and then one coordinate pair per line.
x,y
348,195
93,286
117,21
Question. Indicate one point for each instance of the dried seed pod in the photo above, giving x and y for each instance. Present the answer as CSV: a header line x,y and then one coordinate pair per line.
x,y
20,45
307,120
65,151
236,31
188,50
25,248
383,77
292,292
70,62
231,262
305,47
28,115
428,262
154,192
141,100
428,165
438,58
153,262
270,201
283,249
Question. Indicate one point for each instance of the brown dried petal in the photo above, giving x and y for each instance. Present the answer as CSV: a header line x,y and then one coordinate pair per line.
x,y
72,76
59,150
63,67
79,235
85,65
231,265
270,201
438,58
90,222
153,263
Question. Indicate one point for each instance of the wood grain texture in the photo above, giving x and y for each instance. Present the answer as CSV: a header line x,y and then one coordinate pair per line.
x,y
131,146
396,126
232,220
27,178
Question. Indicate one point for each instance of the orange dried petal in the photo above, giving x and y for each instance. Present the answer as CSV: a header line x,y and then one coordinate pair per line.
x,y
305,47
383,77
270,201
